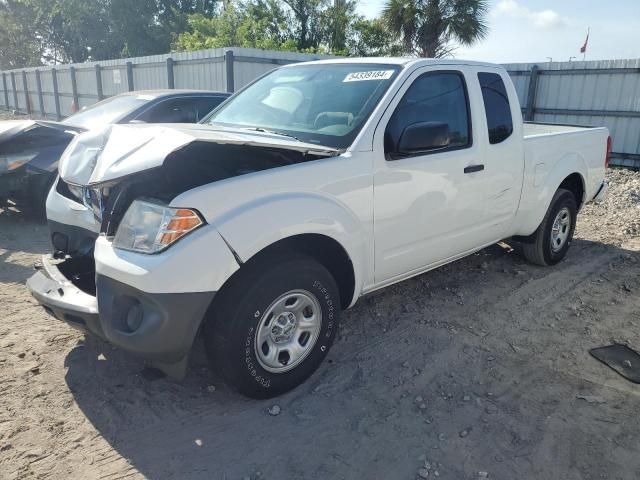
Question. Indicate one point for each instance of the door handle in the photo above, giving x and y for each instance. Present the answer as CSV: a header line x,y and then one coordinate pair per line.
x,y
473,168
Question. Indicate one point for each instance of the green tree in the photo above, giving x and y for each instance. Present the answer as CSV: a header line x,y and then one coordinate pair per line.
x,y
73,30
54,31
136,28
296,25
65,30
266,24
204,7
309,21
432,28
18,45
370,38
216,32
339,18
256,24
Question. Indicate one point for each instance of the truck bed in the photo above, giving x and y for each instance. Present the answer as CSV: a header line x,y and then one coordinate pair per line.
x,y
531,129
546,146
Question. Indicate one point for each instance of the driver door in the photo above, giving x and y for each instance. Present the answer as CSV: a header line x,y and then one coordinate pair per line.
x,y
431,205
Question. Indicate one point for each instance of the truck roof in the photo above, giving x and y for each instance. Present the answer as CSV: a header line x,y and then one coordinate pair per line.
x,y
403,61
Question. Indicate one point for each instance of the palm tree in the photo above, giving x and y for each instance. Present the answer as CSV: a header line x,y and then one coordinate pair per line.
x,y
431,28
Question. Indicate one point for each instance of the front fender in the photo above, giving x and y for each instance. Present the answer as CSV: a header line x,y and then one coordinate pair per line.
x,y
541,184
256,225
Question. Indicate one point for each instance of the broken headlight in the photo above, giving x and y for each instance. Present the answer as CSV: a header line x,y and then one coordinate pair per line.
x,y
76,190
150,227
93,201
90,197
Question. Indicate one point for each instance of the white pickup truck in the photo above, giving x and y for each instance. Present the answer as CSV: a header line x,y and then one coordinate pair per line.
x,y
315,185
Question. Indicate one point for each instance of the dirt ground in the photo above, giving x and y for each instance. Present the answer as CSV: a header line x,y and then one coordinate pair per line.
x,y
475,370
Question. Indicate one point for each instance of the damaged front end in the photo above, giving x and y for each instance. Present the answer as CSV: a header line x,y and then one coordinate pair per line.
x,y
120,181
107,170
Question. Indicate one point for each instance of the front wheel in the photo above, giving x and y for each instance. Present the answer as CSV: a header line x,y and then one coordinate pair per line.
x,y
273,324
550,242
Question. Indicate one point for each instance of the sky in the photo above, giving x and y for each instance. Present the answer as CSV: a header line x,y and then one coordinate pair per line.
x,y
534,30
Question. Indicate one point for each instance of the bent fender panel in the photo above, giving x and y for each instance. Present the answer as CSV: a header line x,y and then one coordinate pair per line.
x,y
251,228
199,262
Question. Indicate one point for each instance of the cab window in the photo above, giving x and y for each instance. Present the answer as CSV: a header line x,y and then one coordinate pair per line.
x,y
496,107
439,97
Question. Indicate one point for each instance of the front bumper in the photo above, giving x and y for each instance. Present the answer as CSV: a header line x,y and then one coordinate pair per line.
x,y
159,327
70,239
64,300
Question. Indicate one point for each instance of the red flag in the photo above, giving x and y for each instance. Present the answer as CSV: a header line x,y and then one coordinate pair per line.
x,y
584,47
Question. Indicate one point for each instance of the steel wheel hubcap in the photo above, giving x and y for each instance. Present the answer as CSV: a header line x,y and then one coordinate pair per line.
x,y
288,330
560,230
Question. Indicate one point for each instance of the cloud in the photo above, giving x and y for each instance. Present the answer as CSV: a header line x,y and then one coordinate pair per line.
x,y
541,20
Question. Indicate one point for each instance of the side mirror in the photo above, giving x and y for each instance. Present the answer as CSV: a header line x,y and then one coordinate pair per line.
x,y
137,122
423,137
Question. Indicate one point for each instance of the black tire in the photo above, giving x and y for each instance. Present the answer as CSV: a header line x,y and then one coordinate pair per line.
x,y
240,308
538,249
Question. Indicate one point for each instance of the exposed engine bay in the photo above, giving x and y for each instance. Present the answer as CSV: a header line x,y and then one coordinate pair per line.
x,y
196,164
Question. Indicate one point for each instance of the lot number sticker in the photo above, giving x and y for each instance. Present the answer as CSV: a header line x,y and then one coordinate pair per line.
x,y
370,75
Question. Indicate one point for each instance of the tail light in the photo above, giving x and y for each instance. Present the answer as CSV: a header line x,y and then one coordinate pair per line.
x,y
608,156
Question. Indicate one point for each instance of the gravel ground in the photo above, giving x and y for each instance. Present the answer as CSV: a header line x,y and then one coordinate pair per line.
x,y
479,369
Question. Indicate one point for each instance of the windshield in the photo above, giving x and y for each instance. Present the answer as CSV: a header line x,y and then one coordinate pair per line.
x,y
326,104
108,111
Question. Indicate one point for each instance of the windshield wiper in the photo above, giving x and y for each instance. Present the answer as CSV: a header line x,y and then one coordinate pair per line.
x,y
273,132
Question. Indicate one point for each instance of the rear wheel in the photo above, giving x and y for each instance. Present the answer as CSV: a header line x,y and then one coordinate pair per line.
x,y
273,324
550,242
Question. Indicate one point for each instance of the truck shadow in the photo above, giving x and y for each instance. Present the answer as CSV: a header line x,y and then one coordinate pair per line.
x,y
356,417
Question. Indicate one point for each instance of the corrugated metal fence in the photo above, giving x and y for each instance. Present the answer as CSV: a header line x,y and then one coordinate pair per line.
x,y
582,93
50,92
598,93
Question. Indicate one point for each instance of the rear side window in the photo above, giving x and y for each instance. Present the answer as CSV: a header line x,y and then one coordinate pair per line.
x,y
496,107
205,105
433,97
176,110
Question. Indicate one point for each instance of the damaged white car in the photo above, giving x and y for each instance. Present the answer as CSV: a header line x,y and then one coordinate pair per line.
x,y
311,187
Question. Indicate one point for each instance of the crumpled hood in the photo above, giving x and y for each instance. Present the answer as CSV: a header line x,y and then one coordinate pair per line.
x,y
120,150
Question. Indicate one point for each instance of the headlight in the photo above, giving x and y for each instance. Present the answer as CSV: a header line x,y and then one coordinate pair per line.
x,y
92,199
77,191
150,228
14,161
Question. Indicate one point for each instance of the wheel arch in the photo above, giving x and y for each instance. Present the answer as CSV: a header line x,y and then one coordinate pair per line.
x,y
313,223
324,249
575,184
568,172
